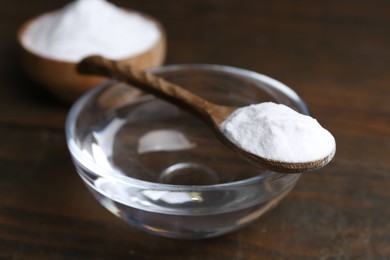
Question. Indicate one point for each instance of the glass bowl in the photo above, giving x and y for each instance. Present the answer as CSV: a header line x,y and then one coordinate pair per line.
x,y
161,169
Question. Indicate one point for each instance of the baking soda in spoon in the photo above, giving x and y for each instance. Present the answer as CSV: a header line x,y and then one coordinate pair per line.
x,y
278,133
265,134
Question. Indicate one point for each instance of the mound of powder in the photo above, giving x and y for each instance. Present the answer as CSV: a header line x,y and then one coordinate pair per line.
x,y
87,27
276,132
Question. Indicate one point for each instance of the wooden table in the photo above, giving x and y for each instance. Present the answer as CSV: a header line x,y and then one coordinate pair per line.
x,y
335,54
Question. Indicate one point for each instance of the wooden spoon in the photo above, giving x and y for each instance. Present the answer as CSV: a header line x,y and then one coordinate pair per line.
x,y
211,113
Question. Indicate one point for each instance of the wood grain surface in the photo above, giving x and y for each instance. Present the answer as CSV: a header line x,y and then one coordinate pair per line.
x,y
335,54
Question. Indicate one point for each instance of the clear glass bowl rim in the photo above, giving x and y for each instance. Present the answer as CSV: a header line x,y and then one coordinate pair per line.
x,y
78,105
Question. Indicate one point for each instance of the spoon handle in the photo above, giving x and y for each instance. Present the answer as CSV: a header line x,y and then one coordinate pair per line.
x,y
145,81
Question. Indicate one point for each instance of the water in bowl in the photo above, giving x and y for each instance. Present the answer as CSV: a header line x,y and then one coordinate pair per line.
x,y
154,141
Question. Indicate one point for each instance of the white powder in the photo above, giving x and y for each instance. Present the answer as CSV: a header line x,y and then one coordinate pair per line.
x,y
276,132
87,27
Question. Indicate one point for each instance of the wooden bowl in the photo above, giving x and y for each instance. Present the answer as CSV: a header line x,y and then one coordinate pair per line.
x,y
61,77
